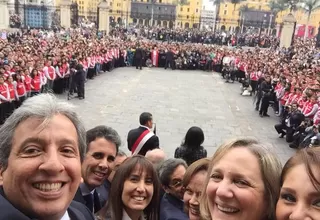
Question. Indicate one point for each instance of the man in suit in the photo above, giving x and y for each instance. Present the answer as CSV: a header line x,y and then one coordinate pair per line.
x,y
142,139
41,148
171,173
139,55
102,146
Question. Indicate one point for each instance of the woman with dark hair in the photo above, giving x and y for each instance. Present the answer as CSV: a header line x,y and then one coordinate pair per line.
x,y
20,88
35,82
134,193
300,186
191,149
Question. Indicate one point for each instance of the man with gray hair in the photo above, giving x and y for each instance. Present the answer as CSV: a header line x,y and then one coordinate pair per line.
x,y
171,173
102,147
42,145
156,156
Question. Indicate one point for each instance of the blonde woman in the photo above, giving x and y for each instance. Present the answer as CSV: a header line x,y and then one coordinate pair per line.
x,y
243,183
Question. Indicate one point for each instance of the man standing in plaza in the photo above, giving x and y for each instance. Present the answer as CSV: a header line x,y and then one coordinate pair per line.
x,y
102,147
142,139
42,145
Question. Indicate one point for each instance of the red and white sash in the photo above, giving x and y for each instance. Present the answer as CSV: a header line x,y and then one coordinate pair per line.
x,y
143,138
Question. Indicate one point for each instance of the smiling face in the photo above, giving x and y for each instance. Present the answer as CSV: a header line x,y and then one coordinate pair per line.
x,y
98,162
235,189
298,197
44,168
192,194
137,191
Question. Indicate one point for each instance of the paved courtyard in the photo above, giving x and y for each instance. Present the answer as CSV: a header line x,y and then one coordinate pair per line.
x,y
178,100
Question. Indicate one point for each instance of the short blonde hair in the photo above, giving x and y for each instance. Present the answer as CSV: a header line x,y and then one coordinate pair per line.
x,y
270,168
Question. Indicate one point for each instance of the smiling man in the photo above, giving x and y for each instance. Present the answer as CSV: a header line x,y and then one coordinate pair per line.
x,y
102,146
41,147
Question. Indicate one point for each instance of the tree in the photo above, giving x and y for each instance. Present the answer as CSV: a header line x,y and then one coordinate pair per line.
x,y
292,4
308,6
235,3
277,6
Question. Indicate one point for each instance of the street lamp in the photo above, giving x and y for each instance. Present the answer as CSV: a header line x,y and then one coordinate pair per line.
x,y
270,21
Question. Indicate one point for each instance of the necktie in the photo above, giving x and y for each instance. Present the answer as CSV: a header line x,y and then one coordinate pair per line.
x,y
89,201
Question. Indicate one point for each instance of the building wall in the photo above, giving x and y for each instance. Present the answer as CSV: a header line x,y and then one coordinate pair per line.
x,y
208,14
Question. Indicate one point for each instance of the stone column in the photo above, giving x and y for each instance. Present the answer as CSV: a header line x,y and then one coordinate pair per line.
x,y
65,13
287,31
104,22
4,14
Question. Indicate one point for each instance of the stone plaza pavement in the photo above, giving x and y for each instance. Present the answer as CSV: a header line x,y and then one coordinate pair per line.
x,y
178,100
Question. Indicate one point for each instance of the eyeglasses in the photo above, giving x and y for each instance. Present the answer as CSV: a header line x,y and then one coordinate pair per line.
x,y
176,183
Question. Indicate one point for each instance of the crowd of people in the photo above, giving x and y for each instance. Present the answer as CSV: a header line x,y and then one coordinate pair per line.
x,y
52,168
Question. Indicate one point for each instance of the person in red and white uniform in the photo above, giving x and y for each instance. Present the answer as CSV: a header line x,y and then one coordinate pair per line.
x,y
27,82
311,108
254,77
50,74
155,57
20,89
4,100
35,82
12,93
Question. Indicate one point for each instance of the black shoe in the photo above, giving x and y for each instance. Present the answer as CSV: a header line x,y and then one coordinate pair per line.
x,y
257,109
261,115
282,135
266,115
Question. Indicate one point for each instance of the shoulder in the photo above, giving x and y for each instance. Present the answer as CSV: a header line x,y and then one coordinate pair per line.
x,y
78,211
8,211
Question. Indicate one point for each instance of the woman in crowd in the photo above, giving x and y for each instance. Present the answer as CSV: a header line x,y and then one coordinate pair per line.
x,y
134,193
4,100
300,187
35,82
191,149
242,183
193,184
20,88
27,82
12,94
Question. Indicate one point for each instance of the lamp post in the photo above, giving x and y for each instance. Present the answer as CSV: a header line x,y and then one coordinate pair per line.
x,y
242,26
152,11
270,21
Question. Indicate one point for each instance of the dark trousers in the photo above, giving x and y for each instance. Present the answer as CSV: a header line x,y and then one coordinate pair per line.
x,y
289,135
264,105
80,88
281,128
254,85
259,97
138,63
169,62
20,101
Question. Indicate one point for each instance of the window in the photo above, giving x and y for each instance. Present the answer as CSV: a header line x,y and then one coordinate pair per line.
x,y
197,10
160,1
226,5
188,10
187,16
225,12
181,9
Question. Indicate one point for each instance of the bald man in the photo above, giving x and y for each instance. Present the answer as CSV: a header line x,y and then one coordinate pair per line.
x,y
156,156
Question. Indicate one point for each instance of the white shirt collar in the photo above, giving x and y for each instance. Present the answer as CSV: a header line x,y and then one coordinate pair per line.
x,y
125,216
145,127
65,216
84,189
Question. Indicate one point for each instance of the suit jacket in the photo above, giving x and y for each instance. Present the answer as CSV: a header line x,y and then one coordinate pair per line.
x,y
76,211
171,208
151,144
139,54
100,197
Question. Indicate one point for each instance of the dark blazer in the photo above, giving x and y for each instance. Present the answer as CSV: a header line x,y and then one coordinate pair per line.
x,y
151,144
100,197
76,211
171,208
139,54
